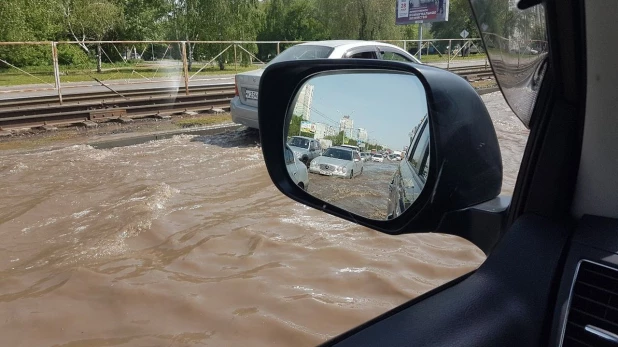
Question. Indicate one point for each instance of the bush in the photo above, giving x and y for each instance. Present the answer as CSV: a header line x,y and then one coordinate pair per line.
x,y
26,55
71,55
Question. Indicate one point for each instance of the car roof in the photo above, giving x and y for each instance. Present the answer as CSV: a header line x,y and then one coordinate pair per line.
x,y
304,137
345,148
347,43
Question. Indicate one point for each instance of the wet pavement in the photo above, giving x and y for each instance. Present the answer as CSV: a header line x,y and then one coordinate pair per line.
x,y
366,194
186,242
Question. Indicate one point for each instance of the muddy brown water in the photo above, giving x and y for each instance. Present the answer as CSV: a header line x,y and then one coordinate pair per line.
x,y
186,242
366,194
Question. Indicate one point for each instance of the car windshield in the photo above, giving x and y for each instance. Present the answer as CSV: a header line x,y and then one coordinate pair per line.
x,y
299,142
300,52
338,154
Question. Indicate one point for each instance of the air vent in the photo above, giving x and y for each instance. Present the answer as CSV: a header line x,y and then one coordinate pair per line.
x,y
593,313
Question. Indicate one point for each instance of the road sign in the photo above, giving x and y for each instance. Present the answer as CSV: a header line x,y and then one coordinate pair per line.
x,y
464,34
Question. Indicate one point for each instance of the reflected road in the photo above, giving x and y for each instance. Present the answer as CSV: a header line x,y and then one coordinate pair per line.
x,y
365,195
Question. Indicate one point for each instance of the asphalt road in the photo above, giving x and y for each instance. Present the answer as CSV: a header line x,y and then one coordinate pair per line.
x,y
38,90
365,194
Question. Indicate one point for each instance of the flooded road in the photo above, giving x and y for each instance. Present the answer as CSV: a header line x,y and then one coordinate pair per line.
x,y
366,194
186,242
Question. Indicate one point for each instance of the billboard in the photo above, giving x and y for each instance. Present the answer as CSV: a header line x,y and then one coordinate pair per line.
x,y
307,127
421,11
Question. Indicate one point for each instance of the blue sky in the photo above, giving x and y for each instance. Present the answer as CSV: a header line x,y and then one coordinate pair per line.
x,y
387,105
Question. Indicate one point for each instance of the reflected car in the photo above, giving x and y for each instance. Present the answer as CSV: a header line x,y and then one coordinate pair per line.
x,y
366,156
296,169
243,106
377,157
339,162
409,179
305,148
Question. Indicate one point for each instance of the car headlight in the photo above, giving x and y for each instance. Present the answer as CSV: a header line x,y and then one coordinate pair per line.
x,y
343,170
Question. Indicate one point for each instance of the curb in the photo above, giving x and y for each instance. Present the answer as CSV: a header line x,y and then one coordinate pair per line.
x,y
487,90
136,140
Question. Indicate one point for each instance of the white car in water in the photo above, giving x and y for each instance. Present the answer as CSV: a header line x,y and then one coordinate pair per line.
x,y
377,157
339,162
243,106
296,169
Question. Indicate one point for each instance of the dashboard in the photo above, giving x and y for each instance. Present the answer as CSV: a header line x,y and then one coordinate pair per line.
x,y
587,306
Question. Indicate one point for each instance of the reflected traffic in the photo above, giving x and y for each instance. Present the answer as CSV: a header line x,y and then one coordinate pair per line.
x,y
355,144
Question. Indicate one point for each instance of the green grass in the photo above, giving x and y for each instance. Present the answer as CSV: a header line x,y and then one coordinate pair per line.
x,y
44,74
203,121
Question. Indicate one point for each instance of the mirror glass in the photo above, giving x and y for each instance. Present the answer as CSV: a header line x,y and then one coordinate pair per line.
x,y
517,47
360,141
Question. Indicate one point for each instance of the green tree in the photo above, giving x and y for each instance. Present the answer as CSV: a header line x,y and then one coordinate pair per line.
x,y
360,19
289,20
459,18
213,20
91,20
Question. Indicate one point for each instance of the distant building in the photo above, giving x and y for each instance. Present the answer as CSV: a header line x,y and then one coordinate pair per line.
x,y
303,104
323,130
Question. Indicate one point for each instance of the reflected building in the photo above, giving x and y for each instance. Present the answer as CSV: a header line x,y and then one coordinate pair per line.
x,y
304,101
323,130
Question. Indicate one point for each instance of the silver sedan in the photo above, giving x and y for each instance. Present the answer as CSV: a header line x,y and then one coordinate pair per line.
x,y
243,106
339,162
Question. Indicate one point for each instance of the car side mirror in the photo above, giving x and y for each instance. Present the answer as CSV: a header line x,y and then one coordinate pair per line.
x,y
429,106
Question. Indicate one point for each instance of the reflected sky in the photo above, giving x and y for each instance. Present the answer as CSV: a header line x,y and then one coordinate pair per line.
x,y
387,105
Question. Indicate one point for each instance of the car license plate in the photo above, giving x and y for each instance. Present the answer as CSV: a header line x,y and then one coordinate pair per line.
x,y
251,94
327,173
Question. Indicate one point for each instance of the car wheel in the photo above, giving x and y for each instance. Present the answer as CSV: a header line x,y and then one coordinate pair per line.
x,y
351,174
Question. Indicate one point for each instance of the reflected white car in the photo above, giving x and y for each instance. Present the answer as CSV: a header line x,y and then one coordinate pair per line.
x,y
296,169
339,162
377,158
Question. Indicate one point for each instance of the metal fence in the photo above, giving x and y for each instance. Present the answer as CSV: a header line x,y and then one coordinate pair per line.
x,y
56,66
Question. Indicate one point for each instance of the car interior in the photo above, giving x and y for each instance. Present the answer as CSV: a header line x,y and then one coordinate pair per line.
x,y
551,273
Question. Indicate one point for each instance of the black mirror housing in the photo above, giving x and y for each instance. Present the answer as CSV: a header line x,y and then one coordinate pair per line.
x,y
465,161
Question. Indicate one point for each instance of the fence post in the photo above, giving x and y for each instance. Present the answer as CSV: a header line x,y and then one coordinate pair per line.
x,y
56,70
185,68
235,60
448,59
404,45
278,48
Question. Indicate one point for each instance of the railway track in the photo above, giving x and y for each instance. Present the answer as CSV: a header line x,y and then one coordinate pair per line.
x,y
99,107
87,108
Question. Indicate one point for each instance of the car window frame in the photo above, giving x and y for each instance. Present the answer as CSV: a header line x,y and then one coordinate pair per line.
x,y
417,138
363,49
406,59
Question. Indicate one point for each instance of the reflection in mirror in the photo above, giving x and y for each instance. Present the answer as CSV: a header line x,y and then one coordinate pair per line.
x,y
363,138
517,47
